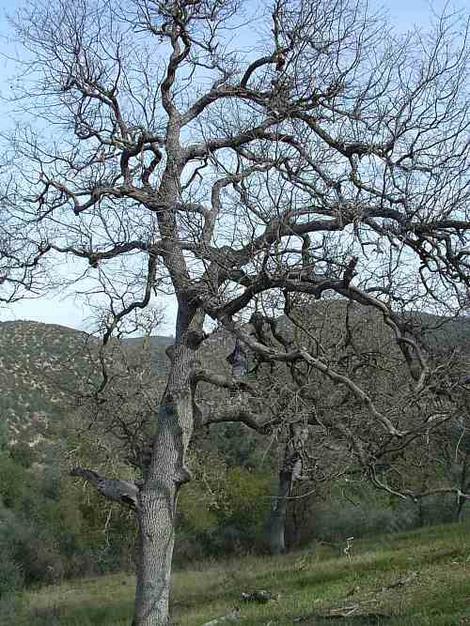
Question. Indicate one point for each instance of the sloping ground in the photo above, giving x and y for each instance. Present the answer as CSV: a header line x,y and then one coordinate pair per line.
x,y
417,578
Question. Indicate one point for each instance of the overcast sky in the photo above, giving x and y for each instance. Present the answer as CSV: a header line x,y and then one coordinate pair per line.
x,y
66,310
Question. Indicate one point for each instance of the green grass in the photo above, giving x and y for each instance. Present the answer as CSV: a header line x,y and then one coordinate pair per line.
x,y
313,585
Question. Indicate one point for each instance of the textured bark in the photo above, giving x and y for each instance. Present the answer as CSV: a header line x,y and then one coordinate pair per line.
x,y
463,488
165,475
290,471
460,504
277,521
155,550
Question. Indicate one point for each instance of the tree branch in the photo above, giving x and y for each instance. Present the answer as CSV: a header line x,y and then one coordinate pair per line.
x,y
122,491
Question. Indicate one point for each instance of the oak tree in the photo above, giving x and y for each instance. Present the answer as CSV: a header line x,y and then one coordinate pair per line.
x,y
166,148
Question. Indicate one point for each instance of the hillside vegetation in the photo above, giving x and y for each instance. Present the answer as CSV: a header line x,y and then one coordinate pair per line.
x,y
39,364
416,578
41,369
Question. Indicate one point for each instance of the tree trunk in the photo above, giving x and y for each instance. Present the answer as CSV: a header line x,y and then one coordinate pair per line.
x,y
277,520
290,471
463,488
166,473
155,550
459,512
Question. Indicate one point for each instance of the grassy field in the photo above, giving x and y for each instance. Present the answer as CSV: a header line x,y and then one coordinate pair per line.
x,y
416,578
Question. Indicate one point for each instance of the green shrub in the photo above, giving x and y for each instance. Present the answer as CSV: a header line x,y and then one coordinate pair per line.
x,y
222,511
9,608
11,576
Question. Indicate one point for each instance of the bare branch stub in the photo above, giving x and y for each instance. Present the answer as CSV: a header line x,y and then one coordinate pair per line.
x,y
121,491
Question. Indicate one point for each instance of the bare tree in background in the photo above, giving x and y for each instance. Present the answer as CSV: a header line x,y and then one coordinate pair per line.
x,y
331,158
323,431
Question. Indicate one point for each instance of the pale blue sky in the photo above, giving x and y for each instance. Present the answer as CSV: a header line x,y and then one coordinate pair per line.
x,y
67,310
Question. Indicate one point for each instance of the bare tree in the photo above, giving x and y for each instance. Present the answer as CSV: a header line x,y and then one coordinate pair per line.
x,y
326,431
331,159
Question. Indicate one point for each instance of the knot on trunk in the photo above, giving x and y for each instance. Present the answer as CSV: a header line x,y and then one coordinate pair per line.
x,y
194,338
183,476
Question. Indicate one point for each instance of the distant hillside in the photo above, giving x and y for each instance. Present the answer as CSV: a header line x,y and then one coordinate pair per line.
x,y
158,345
327,317
42,365
444,333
